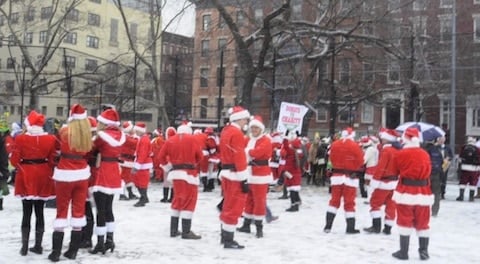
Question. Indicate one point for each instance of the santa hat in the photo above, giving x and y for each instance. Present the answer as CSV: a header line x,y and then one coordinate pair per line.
x,y
389,135
77,112
170,132
185,128
93,123
348,133
411,137
140,127
471,140
197,131
109,117
34,119
366,141
237,113
127,126
277,137
156,132
256,121
208,130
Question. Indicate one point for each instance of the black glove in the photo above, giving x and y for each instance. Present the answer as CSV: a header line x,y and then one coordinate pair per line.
x,y
245,186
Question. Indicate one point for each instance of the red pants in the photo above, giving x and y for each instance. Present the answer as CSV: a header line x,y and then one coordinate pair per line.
x,y
255,206
469,177
76,192
383,197
413,217
233,202
348,193
126,174
159,174
142,179
185,198
203,165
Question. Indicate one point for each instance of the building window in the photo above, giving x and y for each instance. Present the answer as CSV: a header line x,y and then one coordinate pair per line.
x,y
476,28
93,19
368,72
92,42
367,113
59,111
42,37
133,31
446,3
444,111
90,88
344,71
322,114
2,20
368,31
46,12
14,18
394,29
10,63
445,28
204,77
297,9
205,47
419,26
30,14
222,43
114,31
71,38
419,5
70,62
475,117
73,15
12,109
203,107
10,85
90,65
240,18
393,73
44,110
148,95
28,38
207,19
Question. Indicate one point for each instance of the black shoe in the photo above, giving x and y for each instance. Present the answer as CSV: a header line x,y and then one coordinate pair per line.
x,y
232,245
372,230
123,197
86,244
164,200
140,203
293,208
400,255
191,235
36,249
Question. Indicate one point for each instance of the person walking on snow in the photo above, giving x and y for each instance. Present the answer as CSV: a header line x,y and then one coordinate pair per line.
x,y
469,168
128,157
142,164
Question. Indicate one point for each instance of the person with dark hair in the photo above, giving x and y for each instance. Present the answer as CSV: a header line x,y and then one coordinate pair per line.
x,y
447,155
4,172
469,168
436,160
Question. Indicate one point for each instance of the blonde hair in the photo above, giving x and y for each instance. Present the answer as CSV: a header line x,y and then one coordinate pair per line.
x,y
79,135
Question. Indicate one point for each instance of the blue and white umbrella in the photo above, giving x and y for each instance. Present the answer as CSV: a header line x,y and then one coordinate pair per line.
x,y
428,132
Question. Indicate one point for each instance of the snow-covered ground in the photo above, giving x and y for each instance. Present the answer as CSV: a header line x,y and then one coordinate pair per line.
x,y
142,234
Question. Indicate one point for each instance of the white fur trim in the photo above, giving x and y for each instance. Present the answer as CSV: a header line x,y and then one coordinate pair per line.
x,y
386,136
100,230
469,167
234,176
389,222
129,128
77,116
332,209
142,166
107,190
296,188
239,115
184,176
383,185
259,217
205,152
78,222
107,121
34,197
184,129
345,134
376,214
60,223
423,233
214,160
228,228
186,214
175,213
167,167
342,179
140,129
405,231
288,174
110,140
350,214
256,123
127,164
67,175
253,179
35,131
413,199
110,226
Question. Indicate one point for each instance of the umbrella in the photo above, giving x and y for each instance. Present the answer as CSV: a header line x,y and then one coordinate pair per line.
x,y
428,132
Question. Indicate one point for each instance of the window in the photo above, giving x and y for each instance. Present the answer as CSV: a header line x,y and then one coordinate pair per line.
x,y
59,111
42,86
476,68
204,77
476,28
14,18
12,109
114,31
112,69
133,31
297,10
393,73
44,110
207,19
71,38
322,114
222,43
93,19
30,14
446,3
90,88
92,42
72,15
2,20
46,12
344,71
10,85
220,78
368,72
395,29
42,37
444,111
148,95
205,47
445,28
367,113
419,5
203,107
419,26
70,62
90,65
240,18
10,63
475,117
258,16
28,38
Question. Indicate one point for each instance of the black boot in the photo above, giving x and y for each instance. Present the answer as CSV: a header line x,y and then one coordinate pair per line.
x,y
1,204
292,208
75,239
220,206
259,226
57,241
245,228
171,196
222,236
25,237
143,198
123,197
460,196
37,248
285,194
351,226
211,184
87,232
329,221
100,247
174,226
376,226
165,195
387,230
204,182
295,200
109,244
471,196
423,248
402,254
228,241
187,232
131,195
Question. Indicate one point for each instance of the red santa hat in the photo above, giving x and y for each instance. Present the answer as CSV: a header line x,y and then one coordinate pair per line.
x,y
208,130
277,137
185,128
140,127
348,133
256,121
93,123
366,141
389,135
411,137
109,117
77,112
127,126
237,112
34,120
170,132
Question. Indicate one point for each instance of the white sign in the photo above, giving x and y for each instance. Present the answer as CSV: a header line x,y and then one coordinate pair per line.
x,y
291,117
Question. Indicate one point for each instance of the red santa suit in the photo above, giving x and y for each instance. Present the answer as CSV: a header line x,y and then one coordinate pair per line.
x,y
143,159
127,155
201,141
370,157
346,157
275,160
213,153
291,152
157,144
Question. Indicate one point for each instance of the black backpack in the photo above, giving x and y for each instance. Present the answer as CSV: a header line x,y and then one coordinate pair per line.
x,y
469,155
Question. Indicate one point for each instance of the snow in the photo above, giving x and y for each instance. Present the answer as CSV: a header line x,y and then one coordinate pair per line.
x,y
142,234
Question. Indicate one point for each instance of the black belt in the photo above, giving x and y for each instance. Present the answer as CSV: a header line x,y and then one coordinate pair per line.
x,y
128,156
110,159
412,182
389,178
350,173
258,163
34,161
72,156
229,167
183,166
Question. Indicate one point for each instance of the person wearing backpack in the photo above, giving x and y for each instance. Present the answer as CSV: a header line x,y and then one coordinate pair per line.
x,y
469,169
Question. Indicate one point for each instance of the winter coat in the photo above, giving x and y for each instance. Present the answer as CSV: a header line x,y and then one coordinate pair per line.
x,y
259,151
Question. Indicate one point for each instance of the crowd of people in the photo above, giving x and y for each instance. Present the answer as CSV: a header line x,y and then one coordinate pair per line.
x,y
91,160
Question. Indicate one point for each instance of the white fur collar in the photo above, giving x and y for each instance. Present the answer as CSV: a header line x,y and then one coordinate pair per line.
x,y
110,140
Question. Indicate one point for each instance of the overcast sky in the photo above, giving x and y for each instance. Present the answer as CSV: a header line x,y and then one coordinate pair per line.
x,y
184,24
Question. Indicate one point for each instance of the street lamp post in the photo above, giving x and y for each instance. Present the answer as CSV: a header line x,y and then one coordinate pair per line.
x,y
272,99
22,93
220,86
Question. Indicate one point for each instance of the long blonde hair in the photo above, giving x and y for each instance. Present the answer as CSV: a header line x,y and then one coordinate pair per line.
x,y
79,135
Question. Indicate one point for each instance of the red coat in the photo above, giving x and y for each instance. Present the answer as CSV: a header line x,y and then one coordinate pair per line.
x,y
34,181
128,151
70,169
109,145
143,154
201,140
157,144
385,168
291,153
413,163
9,144
212,148
232,152
345,154
260,150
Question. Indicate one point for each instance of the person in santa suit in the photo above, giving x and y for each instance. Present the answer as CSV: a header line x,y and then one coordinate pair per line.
x,y
275,160
292,153
108,181
370,158
213,158
413,194
182,154
382,184
234,174
71,182
33,157
157,144
346,157
143,163
128,157
201,139
259,151
167,186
